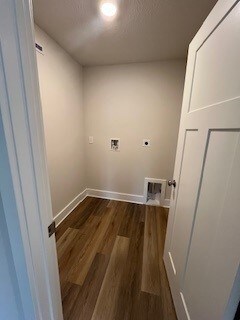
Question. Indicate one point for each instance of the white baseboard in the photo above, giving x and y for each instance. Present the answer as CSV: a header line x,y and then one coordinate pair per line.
x,y
70,207
111,195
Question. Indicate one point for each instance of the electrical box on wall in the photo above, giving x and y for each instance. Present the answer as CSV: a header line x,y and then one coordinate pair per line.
x,y
115,144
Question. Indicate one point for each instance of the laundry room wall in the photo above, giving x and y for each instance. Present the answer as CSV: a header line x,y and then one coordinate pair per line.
x,y
132,102
60,79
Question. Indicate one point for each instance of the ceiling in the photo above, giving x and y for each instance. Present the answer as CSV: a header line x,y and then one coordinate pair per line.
x,y
143,31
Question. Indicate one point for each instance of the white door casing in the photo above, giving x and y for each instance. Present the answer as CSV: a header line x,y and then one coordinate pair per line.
x,y
23,131
202,253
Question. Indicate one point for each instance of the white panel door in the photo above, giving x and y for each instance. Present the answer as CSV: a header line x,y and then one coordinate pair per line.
x,y
202,250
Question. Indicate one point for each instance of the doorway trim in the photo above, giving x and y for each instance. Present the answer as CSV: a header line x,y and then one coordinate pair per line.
x,y
24,135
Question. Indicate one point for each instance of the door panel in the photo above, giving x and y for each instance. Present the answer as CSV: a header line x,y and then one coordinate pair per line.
x,y
217,75
202,255
10,302
215,237
186,201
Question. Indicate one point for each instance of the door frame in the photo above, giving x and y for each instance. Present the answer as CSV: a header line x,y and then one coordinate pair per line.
x,y
217,15
21,116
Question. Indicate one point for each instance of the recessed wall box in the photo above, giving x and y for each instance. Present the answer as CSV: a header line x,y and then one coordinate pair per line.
x,y
114,144
154,191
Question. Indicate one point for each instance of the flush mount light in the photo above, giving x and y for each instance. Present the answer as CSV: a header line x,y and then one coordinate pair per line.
x,y
108,9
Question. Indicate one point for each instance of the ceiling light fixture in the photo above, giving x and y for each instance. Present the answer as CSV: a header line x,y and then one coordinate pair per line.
x,y
108,9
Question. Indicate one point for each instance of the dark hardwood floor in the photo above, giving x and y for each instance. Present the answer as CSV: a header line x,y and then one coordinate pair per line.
x,y
110,262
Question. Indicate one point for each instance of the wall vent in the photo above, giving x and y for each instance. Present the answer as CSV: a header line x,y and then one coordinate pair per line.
x,y
39,48
154,191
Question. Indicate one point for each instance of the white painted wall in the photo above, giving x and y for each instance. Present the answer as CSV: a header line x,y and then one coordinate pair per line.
x,y
62,103
132,102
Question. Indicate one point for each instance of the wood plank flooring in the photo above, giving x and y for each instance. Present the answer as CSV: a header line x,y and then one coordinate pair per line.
x,y
150,267
110,262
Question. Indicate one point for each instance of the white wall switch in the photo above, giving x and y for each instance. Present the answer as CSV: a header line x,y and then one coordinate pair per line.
x,y
90,139
146,143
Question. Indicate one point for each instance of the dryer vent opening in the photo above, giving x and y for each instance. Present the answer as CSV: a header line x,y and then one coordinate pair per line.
x,y
154,191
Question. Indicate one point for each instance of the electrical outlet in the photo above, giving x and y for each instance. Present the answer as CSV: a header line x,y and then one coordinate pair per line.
x,y
146,143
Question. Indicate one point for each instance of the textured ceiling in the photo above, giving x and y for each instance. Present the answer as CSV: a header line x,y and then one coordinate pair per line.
x,y
144,30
